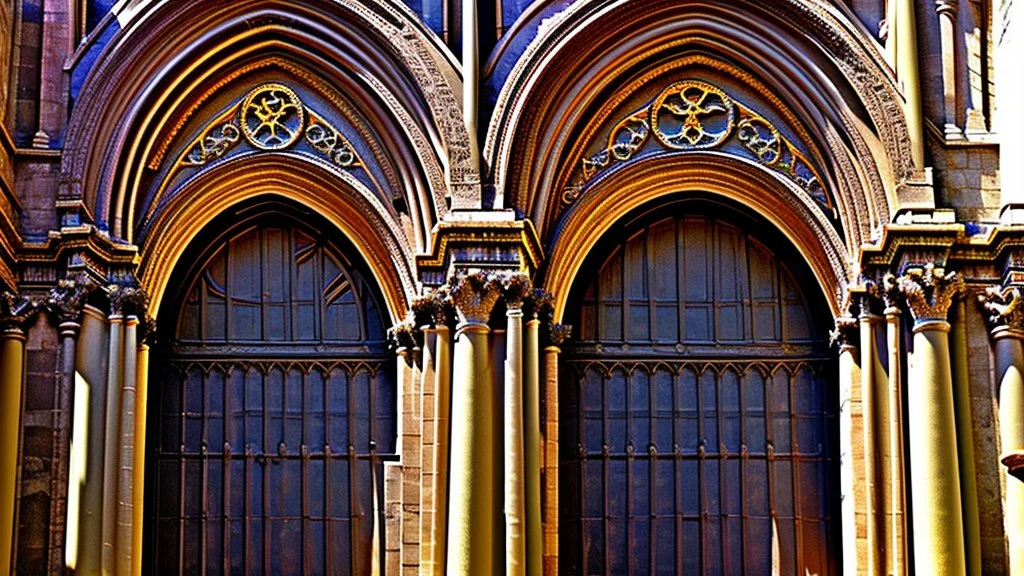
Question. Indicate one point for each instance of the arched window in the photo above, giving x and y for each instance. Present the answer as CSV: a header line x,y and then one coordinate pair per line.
x,y
698,426
275,404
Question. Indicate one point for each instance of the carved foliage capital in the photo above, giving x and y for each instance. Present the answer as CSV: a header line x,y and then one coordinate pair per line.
x,y
474,296
1002,308
17,309
68,297
403,335
127,300
847,330
930,291
516,288
559,333
433,309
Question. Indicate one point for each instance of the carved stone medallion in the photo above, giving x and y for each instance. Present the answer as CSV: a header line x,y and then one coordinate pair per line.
x,y
272,117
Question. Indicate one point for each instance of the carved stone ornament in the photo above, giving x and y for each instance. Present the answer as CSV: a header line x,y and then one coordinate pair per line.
x,y
270,117
434,308
559,333
474,296
696,115
540,304
16,310
127,300
403,335
891,294
929,291
846,333
67,299
516,287
1002,309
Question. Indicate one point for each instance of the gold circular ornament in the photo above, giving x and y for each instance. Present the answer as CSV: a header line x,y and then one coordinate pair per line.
x,y
691,115
272,117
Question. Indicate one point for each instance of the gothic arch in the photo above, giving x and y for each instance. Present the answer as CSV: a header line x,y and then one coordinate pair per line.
x,y
338,197
172,62
766,193
810,58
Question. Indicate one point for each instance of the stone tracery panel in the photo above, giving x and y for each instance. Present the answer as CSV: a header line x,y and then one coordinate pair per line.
x,y
696,115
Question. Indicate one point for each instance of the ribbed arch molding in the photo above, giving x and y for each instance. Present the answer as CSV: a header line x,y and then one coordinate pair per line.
x,y
805,60
367,69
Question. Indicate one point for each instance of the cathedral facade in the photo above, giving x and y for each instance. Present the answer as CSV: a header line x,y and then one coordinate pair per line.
x,y
511,287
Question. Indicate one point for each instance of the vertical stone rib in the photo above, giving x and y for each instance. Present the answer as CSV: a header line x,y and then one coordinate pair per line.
x,y
515,489
115,359
532,447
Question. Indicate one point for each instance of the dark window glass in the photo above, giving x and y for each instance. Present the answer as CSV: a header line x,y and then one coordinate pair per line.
x,y
698,422
276,407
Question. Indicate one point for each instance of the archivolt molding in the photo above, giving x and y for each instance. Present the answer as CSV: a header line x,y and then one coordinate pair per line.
x,y
313,183
767,192
107,134
591,22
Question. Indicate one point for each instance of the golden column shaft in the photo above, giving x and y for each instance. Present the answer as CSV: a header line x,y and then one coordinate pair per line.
x,y
473,501
12,377
937,516
965,440
442,406
903,34
898,535
515,489
139,454
532,441
937,522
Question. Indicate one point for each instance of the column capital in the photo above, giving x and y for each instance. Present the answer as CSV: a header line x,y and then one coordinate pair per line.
x,y
434,308
947,7
474,296
15,311
559,333
404,336
846,334
891,294
127,300
67,299
516,288
929,291
1003,312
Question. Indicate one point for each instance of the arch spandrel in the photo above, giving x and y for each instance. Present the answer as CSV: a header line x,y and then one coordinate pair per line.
x,y
811,57
158,71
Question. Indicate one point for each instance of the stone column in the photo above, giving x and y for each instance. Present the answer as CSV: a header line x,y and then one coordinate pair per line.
x,y
92,364
515,290
897,491
937,520
903,35
965,438
67,300
946,10
1006,319
12,382
473,506
126,448
115,359
557,335
532,440
847,336
874,398
139,451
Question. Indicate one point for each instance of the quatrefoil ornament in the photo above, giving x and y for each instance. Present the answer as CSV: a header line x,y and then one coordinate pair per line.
x,y
272,117
692,115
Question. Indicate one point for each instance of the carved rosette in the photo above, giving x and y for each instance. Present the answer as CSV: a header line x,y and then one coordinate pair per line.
x,y
930,291
474,296
1003,311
